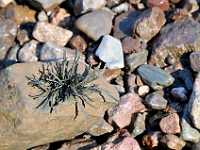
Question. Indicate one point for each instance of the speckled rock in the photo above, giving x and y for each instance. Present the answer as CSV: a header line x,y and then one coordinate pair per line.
x,y
195,61
96,23
149,23
45,32
155,77
39,4
175,39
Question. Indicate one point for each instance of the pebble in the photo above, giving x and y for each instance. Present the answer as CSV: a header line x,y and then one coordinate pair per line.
x,y
28,53
78,42
39,4
110,51
170,124
96,23
121,114
83,6
155,77
134,60
123,7
162,4
156,101
151,140
42,16
22,36
149,23
46,32
173,142
195,61
179,93
4,3
143,90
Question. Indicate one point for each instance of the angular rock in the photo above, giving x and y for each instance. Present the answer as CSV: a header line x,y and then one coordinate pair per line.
x,y
156,101
179,93
155,77
82,6
39,4
4,3
8,33
96,23
122,113
110,51
195,61
170,124
123,25
149,23
162,4
45,32
23,126
173,142
28,53
151,140
175,39
78,42
136,59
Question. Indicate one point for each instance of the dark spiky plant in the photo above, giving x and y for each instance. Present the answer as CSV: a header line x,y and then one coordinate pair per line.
x,y
61,81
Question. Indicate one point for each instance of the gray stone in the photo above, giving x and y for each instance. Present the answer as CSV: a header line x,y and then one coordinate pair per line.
x,y
180,93
96,23
175,39
28,53
46,32
42,16
39,4
110,51
136,59
195,61
156,101
8,32
82,6
155,77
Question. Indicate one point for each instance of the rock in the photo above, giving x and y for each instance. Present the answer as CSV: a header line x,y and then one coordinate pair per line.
x,y
21,120
92,59
156,101
179,93
123,7
110,51
132,83
28,53
111,3
110,74
143,90
77,42
194,103
39,4
175,39
8,33
134,2
131,45
151,140
194,61
96,23
149,23
122,113
170,124
173,142
22,36
155,77
4,3
191,6
45,32
82,6
139,124
58,16
162,4
42,16
100,128
123,25
136,59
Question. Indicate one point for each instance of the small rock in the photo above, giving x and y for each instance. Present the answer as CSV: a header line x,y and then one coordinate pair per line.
x,y
136,59
155,77
45,32
110,51
42,16
123,7
59,16
170,124
139,124
179,93
195,61
77,42
39,4
22,36
82,6
156,101
123,25
173,142
122,113
162,4
151,140
143,90
4,3
110,74
28,53
96,23
149,23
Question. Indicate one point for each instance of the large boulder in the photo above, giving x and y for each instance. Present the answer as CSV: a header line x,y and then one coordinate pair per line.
x,y
23,126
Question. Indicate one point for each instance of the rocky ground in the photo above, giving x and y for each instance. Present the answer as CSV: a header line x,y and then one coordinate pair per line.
x,y
146,53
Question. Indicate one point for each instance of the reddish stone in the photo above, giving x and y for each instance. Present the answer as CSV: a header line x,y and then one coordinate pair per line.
x,y
77,42
162,4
